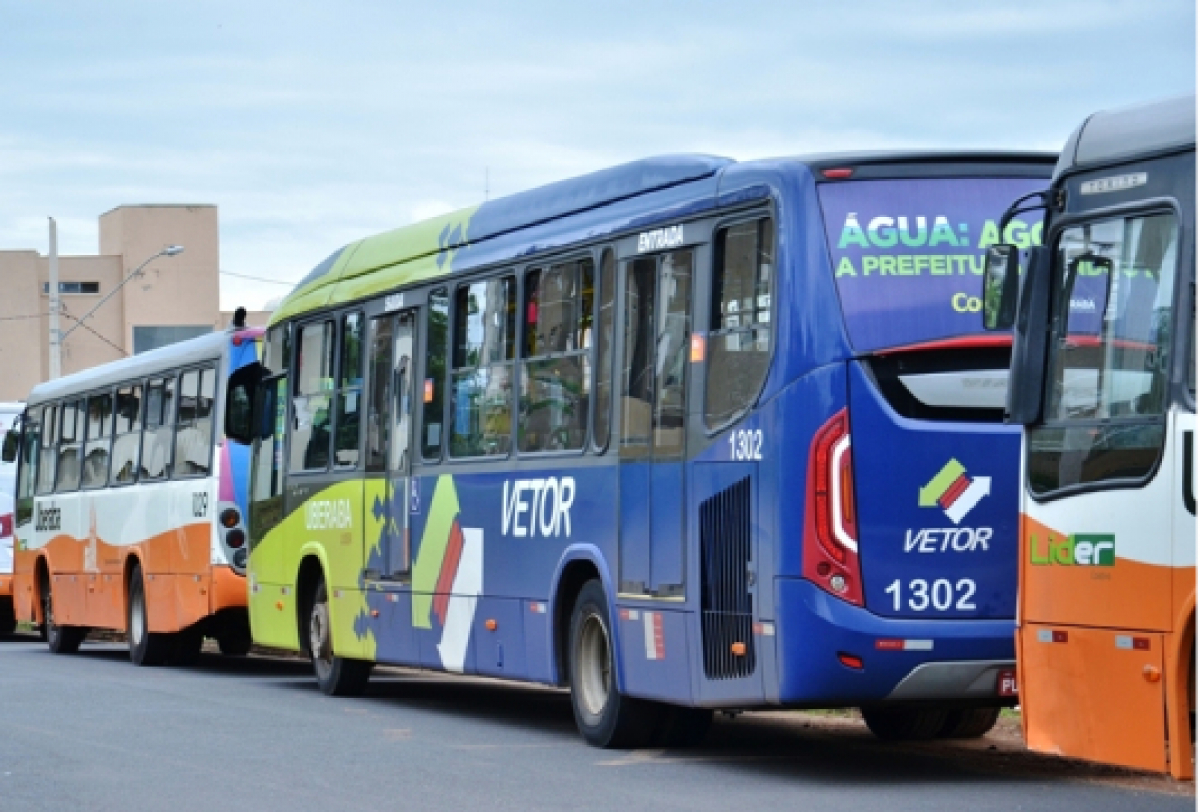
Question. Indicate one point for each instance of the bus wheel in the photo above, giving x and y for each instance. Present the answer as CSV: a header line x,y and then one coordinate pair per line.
x,y
186,646
904,724
970,723
8,618
683,727
602,714
337,676
235,643
60,639
145,647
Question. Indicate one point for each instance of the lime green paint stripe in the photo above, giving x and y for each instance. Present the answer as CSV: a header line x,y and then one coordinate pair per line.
x,y
938,485
442,513
384,262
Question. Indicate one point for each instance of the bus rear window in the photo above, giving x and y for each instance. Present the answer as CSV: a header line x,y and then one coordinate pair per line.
x,y
907,254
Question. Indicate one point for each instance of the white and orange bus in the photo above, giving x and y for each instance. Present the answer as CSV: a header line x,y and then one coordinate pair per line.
x,y
1104,382
130,501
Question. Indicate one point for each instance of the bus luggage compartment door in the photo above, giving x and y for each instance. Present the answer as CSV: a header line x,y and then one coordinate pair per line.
x,y
1095,694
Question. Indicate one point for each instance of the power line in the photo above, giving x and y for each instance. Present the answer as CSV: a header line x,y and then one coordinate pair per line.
x,y
20,318
97,335
257,278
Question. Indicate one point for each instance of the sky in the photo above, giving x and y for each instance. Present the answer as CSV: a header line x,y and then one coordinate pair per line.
x,y
313,124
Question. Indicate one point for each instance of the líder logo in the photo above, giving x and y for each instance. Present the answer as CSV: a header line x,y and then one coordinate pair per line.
x,y
954,492
1075,550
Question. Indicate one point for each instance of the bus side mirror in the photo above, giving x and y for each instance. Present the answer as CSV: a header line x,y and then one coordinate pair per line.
x,y
239,404
1001,275
1027,371
12,440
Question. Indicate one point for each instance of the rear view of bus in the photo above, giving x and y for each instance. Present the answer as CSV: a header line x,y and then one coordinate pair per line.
x,y
130,501
909,544
1104,383
9,415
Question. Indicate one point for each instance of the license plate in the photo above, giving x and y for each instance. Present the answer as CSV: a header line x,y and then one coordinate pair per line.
x,y
1006,682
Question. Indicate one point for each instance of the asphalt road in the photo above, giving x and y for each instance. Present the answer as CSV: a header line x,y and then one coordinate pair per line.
x,y
93,732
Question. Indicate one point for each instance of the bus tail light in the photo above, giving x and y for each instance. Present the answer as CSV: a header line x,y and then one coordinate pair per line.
x,y
830,556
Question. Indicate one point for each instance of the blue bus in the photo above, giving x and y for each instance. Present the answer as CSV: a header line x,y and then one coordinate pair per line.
x,y
684,434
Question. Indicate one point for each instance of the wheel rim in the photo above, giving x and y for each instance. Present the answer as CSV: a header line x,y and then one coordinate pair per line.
x,y
595,665
319,639
137,619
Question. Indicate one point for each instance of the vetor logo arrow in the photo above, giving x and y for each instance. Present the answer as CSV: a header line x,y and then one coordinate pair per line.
x,y
953,491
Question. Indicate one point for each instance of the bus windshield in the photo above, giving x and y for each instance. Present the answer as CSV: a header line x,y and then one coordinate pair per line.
x,y
907,254
1111,353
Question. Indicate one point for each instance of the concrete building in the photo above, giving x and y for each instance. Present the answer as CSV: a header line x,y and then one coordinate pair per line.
x,y
173,298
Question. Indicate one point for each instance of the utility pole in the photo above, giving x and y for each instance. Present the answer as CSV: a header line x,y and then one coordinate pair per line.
x,y
55,334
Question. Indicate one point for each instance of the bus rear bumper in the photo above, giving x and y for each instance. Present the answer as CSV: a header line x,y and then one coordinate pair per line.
x,y
902,660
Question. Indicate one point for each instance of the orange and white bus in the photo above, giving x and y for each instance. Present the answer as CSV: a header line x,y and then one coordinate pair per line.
x,y
130,501
1104,382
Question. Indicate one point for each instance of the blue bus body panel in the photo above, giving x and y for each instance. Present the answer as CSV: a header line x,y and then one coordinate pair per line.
x,y
908,535
820,626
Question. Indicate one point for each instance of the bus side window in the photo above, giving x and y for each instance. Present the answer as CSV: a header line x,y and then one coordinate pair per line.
x,y
434,386
27,471
99,438
266,483
69,446
556,375
159,432
378,406
604,342
739,343
193,430
484,344
314,382
48,458
348,426
127,435
637,365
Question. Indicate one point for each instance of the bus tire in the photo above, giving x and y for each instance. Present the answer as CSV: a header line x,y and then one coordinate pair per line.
x,y
969,723
604,716
904,724
336,676
8,617
683,727
60,639
186,646
235,643
146,648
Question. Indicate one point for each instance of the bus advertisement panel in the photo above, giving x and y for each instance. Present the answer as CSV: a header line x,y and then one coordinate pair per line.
x,y
130,501
617,434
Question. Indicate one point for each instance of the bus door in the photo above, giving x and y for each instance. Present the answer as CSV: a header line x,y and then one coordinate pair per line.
x,y
656,292
389,444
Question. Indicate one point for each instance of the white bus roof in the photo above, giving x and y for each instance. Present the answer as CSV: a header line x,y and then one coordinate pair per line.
x,y
183,353
1127,133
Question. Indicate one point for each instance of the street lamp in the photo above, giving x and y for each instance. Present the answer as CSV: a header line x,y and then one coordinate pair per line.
x,y
169,251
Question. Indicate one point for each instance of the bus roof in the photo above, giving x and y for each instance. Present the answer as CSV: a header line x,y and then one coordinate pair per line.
x,y
425,248
192,351
1127,133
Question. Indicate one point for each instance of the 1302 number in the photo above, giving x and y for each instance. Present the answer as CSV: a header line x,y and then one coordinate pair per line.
x,y
746,444
939,595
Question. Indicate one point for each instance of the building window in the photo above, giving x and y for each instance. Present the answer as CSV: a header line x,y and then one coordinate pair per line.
x,y
151,337
73,287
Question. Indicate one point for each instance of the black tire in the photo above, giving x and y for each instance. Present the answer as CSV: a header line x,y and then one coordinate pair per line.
x,y
904,724
235,643
186,646
604,716
146,648
60,639
683,727
337,676
8,617
968,723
